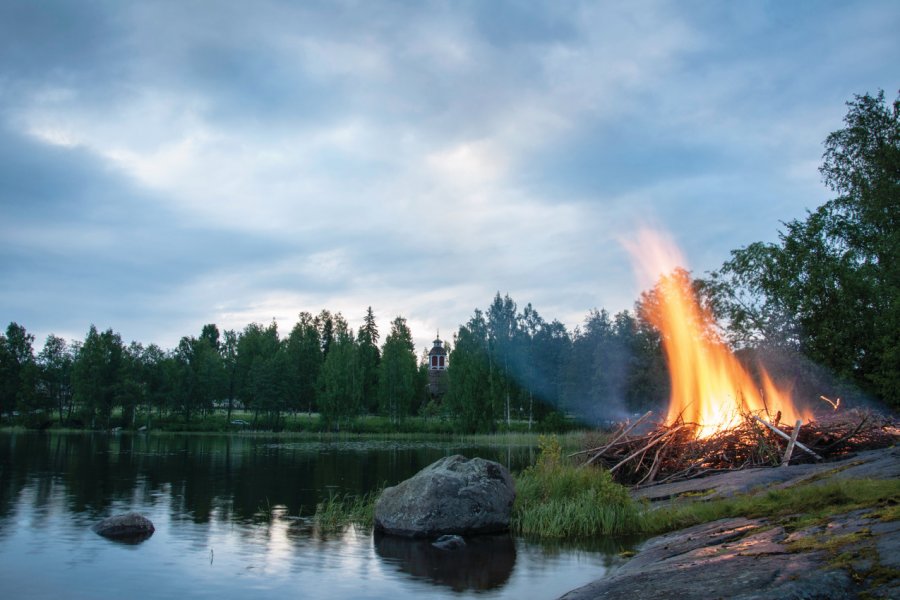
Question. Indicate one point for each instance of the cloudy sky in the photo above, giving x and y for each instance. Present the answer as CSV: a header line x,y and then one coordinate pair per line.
x,y
169,164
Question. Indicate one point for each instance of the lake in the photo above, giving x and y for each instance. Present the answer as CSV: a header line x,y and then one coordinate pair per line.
x,y
232,517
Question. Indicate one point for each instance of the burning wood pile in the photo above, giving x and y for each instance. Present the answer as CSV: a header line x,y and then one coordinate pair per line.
x,y
722,416
674,452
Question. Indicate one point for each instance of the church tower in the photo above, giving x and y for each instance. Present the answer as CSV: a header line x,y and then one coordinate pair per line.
x,y
437,369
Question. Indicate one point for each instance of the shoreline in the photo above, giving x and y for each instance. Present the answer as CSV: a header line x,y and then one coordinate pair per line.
x,y
845,555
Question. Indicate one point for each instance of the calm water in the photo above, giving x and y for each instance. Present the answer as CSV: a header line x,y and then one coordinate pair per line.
x,y
232,521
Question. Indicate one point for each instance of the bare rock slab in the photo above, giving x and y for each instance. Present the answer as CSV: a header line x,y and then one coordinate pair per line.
x,y
735,558
454,495
130,527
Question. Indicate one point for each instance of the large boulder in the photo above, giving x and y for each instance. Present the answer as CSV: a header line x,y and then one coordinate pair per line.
x,y
130,526
455,495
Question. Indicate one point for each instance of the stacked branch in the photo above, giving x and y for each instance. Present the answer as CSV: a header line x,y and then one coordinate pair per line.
x,y
672,452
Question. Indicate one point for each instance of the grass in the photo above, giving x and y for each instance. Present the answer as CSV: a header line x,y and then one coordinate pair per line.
x,y
565,501
558,499
571,441
794,507
301,423
340,511
554,499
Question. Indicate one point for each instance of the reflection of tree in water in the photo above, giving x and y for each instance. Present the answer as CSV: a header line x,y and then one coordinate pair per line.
x,y
485,563
203,478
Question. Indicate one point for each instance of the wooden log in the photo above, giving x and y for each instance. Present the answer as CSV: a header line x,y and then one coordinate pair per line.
x,y
790,446
787,437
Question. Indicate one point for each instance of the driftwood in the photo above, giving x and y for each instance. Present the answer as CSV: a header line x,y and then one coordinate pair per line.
x,y
790,438
672,452
790,446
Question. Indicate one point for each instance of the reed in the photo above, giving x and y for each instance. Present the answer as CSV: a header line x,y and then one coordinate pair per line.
x,y
338,512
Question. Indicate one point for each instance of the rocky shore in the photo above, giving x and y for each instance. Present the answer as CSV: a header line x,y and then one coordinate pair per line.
x,y
853,555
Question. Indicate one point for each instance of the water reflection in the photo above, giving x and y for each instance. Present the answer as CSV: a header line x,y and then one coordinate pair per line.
x,y
212,477
485,562
232,517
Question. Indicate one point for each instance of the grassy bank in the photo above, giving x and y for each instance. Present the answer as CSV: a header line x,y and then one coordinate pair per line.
x,y
794,507
565,502
570,441
555,499
558,499
219,421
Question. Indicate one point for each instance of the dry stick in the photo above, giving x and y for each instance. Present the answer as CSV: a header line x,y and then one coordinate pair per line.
x,y
654,467
787,437
617,434
645,448
846,437
606,447
766,406
790,446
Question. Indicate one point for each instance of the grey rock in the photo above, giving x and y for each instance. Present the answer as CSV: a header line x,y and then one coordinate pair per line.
x,y
731,558
449,542
130,526
454,495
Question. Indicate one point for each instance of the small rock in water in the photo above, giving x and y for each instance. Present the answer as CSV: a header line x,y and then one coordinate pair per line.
x,y
449,542
132,526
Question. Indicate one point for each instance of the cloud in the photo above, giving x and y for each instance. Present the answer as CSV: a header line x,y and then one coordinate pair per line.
x,y
163,165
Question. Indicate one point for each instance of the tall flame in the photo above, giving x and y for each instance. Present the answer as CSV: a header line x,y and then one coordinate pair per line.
x,y
710,388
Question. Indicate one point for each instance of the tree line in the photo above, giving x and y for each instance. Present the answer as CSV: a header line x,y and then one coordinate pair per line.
x,y
320,366
504,366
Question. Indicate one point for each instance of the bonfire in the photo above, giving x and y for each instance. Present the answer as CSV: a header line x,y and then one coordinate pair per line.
x,y
720,417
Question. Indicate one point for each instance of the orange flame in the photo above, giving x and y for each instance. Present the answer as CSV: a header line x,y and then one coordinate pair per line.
x,y
710,387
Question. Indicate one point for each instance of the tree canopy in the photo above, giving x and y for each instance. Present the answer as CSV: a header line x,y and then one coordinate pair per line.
x,y
830,287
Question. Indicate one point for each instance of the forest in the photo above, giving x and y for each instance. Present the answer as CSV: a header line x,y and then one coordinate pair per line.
x,y
506,365
821,304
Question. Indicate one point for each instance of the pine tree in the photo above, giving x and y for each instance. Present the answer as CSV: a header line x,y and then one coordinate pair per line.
x,y
369,359
398,373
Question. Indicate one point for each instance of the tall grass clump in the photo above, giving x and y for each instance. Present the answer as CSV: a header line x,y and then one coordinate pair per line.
x,y
338,512
557,499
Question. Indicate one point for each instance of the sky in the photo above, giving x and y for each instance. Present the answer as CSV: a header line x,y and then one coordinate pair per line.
x,y
169,164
